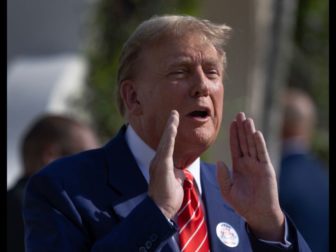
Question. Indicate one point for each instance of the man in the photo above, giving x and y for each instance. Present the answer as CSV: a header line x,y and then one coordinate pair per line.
x,y
48,138
303,183
147,190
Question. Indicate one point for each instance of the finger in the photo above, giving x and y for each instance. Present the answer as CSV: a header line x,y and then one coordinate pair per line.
x,y
262,152
224,179
250,130
234,144
166,146
241,133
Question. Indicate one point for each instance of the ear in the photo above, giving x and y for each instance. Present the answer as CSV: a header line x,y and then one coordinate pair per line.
x,y
129,95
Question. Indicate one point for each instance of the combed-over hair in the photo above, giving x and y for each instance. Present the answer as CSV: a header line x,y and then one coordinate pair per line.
x,y
160,27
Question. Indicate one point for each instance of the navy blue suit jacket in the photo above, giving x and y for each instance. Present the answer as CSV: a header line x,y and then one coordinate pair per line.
x,y
304,195
97,201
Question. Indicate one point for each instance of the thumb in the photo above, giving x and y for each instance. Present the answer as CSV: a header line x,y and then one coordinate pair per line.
x,y
224,178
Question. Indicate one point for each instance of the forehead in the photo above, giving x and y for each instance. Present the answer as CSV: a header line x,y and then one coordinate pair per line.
x,y
191,47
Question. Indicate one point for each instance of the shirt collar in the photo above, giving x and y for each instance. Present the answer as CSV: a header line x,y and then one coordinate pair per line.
x,y
144,154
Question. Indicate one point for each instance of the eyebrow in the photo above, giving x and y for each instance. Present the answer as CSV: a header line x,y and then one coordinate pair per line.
x,y
187,60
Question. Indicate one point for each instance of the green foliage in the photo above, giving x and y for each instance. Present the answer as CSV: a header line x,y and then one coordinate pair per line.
x,y
310,66
112,23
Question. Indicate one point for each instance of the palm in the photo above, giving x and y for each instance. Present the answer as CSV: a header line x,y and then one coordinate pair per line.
x,y
251,189
248,185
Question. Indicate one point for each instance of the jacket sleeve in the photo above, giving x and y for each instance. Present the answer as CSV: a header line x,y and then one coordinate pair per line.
x,y
298,244
52,223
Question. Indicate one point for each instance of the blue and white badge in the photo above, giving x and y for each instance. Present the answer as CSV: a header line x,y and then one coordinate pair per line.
x,y
227,234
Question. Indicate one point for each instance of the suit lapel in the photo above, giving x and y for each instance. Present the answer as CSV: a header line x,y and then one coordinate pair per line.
x,y
122,167
218,211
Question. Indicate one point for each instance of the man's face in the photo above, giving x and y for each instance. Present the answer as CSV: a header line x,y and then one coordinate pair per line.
x,y
184,74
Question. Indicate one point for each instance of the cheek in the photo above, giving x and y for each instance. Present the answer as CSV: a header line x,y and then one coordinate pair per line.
x,y
161,102
175,94
217,99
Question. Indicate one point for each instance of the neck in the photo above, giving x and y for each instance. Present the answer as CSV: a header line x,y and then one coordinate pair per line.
x,y
184,153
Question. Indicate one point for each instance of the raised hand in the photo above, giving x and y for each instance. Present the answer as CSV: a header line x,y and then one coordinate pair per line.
x,y
165,180
251,189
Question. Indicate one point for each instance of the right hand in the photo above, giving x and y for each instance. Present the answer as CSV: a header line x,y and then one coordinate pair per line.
x,y
165,183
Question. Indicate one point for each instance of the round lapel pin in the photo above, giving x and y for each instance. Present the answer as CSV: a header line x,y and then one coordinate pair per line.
x,y
227,234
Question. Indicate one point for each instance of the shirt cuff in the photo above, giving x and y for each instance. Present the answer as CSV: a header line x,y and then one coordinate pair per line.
x,y
285,244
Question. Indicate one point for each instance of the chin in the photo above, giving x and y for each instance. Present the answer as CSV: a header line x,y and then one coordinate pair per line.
x,y
203,137
198,139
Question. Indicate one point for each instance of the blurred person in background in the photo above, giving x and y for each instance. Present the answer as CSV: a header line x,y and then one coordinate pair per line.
x,y
303,181
49,137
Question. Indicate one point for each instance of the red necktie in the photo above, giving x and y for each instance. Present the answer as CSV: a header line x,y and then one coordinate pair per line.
x,y
193,234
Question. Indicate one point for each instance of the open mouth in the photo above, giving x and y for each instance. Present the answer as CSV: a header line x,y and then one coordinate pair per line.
x,y
199,114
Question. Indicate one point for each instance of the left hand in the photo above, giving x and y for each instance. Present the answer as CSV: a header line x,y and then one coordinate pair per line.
x,y
252,188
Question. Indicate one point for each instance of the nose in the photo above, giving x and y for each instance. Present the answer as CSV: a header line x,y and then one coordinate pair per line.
x,y
200,85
